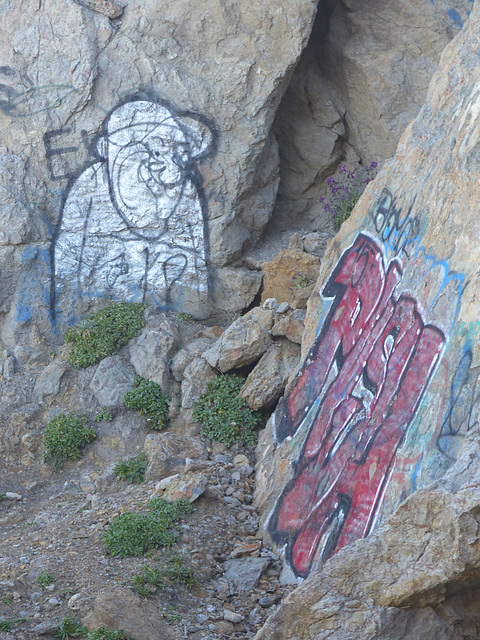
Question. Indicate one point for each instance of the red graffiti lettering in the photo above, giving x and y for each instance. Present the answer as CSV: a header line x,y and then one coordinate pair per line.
x,y
367,373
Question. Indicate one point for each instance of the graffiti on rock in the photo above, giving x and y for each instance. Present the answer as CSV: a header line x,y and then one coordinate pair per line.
x,y
134,222
358,391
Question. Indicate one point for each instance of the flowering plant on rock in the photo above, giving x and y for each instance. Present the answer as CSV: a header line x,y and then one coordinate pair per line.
x,y
345,191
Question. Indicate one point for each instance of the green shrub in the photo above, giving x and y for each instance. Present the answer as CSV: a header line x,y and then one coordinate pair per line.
x,y
65,437
5,625
132,471
103,333
176,571
185,317
70,628
45,579
147,576
146,397
102,633
103,416
132,534
224,416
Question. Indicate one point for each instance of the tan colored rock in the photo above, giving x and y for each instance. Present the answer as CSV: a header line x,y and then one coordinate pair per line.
x,y
105,7
166,453
290,325
245,341
290,277
378,433
123,610
189,488
426,552
266,383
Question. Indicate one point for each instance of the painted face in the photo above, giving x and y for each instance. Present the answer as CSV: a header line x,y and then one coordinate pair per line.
x,y
147,173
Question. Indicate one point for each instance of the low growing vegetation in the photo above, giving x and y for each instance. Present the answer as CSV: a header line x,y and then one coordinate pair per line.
x,y
65,437
147,398
103,633
132,471
224,416
103,333
132,534
70,628
45,579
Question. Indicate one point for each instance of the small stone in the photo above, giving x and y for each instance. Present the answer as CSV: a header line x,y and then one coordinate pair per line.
x,y
232,616
189,488
270,303
54,601
240,460
269,600
246,549
74,602
166,482
241,516
13,496
225,627
283,307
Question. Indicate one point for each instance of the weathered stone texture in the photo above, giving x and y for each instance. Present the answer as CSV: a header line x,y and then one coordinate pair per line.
x,y
362,78
193,86
290,277
418,220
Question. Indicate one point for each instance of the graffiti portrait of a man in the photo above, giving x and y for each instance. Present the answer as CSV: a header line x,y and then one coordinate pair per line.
x,y
133,222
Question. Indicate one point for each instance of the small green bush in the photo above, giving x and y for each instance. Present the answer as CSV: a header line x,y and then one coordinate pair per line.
x,y
176,571
185,317
146,397
132,534
103,333
132,471
5,626
103,416
102,633
70,628
45,578
224,416
65,437
148,576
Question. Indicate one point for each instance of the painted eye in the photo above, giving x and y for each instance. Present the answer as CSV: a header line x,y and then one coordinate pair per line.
x,y
157,154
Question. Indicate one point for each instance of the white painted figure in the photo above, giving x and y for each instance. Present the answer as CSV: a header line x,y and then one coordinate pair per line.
x,y
133,222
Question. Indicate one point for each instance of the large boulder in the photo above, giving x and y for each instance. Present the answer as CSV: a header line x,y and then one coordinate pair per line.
x,y
386,399
136,154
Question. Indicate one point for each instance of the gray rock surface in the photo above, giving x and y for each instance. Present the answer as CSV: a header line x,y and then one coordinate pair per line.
x,y
111,381
245,573
245,341
195,378
48,382
193,87
151,352
266,383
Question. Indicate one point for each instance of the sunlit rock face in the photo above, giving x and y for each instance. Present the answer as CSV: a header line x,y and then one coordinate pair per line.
x,y
369,472
136,153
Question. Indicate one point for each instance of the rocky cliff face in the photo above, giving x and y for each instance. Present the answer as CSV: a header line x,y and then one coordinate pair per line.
x,y
386,399
142,149
136,151
139,157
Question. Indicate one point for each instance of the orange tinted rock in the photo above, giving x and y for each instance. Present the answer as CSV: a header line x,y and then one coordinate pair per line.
x,y
290,277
